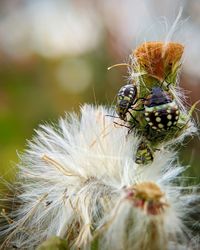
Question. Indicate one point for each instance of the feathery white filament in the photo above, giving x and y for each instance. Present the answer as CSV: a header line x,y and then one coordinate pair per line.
x,y
72,179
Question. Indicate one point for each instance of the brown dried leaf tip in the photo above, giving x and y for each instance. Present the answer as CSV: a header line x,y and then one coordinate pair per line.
x,y
156,58
148,197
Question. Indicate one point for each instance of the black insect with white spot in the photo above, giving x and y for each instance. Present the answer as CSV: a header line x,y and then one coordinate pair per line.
x,y
126,98
160,110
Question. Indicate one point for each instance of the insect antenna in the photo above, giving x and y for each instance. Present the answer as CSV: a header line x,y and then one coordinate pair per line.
x,y
142,109
122,125
132,117
113,116
139,109
119,65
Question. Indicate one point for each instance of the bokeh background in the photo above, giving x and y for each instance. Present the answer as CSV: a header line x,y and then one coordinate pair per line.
x,y
54,56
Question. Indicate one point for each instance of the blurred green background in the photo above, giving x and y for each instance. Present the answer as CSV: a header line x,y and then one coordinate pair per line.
x,y
54,57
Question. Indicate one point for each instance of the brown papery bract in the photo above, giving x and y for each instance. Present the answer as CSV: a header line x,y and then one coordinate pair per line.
x,y
156,57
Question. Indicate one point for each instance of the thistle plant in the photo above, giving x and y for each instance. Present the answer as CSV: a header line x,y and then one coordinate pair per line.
x,y
110,178
154,90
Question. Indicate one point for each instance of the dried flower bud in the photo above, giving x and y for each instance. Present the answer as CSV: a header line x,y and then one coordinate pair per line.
x,y
156,58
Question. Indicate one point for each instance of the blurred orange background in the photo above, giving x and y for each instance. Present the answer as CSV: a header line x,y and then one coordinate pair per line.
x,y
54,57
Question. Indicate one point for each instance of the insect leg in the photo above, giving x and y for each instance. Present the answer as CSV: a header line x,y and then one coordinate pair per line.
x,y
122,125
132,117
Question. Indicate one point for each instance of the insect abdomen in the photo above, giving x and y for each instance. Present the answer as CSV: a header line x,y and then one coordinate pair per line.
x,y
162,117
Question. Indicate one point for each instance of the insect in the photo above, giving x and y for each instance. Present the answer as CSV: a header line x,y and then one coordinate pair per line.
x,y
126,99
160,110
144,154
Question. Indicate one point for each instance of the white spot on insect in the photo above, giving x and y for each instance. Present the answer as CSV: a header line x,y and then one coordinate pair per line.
x,y
146,114
169,117
151,123
158,119
168,110
156,114
176,118
169,123
177,112
160,125
147,119
174,123
154,127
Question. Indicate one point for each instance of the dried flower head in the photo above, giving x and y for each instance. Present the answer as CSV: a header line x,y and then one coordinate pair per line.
x,y
79,181
150,214
158,58
65,178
